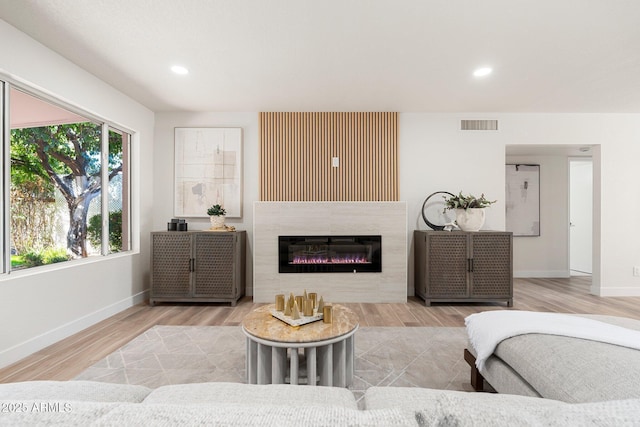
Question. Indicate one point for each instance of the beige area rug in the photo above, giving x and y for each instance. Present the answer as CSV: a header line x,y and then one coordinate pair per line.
x,y
385,356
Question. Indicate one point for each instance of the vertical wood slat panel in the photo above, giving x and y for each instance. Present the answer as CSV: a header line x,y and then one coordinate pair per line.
x,y
296,151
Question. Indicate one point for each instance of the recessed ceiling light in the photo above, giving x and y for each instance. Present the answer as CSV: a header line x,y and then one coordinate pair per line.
x,y
179,69
481,72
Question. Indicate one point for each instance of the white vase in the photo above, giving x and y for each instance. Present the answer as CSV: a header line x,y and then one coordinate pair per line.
x,y
471,219
217,221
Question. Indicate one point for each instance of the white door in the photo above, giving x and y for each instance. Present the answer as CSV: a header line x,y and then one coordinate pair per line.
x,y
580,215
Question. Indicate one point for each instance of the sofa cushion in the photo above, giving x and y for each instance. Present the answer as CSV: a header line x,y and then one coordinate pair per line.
x,y
444,408
572,369
73,390
291,415
56,412
614,413
455,408
251,394
431,399
460,411
504,378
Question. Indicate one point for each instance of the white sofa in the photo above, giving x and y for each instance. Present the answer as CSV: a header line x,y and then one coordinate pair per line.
x,y
84,403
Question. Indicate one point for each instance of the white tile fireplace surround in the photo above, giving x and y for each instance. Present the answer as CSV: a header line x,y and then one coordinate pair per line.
x,y
387,219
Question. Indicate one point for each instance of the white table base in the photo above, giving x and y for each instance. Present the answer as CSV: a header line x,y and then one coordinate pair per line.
x,y
330,360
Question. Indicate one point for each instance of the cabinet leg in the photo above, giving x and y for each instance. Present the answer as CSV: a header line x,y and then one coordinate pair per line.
x,y
427,303
510,302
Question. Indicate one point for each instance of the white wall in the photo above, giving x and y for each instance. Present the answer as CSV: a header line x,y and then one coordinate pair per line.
x,y
618,175
546,255
40,306
435,155
163,158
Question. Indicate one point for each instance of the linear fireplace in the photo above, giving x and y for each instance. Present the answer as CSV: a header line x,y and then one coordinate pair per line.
x,y
330,254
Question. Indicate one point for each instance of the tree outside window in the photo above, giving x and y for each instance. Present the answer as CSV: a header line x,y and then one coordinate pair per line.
x,y
56,186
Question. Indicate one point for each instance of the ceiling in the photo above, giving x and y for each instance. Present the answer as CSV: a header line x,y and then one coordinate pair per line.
x,y
548,56
28,111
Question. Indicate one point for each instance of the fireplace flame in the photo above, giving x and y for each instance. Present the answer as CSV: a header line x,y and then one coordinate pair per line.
x,y
333,259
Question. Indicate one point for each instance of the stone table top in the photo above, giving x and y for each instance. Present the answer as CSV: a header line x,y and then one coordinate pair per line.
x,y
261,324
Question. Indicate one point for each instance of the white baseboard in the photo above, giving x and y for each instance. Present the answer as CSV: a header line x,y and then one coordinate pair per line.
x,y
542,273
24,349
620,292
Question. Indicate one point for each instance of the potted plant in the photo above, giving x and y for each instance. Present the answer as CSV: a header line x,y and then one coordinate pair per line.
x,y
216,215
469,210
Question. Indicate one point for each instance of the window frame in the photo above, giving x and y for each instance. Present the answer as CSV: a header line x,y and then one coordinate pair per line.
x,y
126,189
5,236
6,84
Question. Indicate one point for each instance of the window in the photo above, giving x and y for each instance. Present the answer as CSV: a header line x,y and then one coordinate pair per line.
x,y
117,198
59,161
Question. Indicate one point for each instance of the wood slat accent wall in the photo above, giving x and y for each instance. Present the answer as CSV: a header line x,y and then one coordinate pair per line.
x,y
296,151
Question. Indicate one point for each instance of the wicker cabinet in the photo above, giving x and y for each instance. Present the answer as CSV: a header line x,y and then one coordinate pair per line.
x,y
197,266
462,266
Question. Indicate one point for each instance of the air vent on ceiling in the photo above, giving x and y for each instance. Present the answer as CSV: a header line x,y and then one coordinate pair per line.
x,y
478,125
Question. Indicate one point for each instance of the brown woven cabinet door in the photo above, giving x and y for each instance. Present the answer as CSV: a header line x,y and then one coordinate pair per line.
x,y
446,273
214,265
492,275
171,265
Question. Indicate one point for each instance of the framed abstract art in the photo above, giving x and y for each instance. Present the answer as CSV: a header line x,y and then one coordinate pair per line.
x,y
523,199
208,171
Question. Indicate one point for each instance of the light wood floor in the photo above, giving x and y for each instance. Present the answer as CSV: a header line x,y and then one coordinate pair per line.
x,y
67,358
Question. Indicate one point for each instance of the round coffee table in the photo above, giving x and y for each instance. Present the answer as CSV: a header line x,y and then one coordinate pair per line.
x,y
328,347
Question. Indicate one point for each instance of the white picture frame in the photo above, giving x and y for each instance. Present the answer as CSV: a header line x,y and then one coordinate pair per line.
x,y
207,171
523,199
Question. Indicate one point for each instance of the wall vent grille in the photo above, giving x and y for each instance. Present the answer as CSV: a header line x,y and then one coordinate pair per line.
x,y
478,125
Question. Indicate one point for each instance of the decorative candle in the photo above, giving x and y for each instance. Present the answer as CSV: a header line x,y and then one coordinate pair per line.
x,y
327,313
308,307
314,297
320,305
280,302
300,300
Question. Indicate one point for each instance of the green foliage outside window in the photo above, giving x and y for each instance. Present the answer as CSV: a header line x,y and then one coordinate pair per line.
x,y
35,258
94,230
